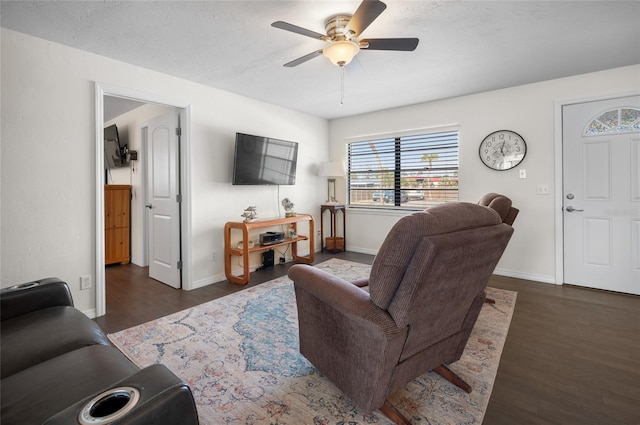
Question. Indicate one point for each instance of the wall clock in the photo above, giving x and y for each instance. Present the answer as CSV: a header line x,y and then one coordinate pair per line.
x,y
502,150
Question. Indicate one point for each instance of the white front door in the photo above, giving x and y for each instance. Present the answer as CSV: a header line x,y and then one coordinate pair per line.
x,y
163,204
601,194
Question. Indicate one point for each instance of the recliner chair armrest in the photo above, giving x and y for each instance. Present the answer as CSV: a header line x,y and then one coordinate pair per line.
x,y
164,399
511,217
28,297
361,283
342,295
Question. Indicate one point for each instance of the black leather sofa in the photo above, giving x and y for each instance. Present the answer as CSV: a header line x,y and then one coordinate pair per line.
x,y
58,367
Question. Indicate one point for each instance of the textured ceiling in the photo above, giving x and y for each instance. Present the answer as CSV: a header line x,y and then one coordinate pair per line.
x,y
465,46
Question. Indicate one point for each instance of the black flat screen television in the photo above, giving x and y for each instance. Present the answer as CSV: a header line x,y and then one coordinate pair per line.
x,y
112,149
263,160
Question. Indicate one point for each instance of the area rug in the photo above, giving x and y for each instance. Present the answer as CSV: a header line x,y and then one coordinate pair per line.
x,y
240,356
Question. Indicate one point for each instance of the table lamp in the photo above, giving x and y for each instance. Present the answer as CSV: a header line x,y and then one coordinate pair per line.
x,y
331,170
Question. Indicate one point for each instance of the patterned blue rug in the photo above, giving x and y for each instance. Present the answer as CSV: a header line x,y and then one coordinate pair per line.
x,y
239,354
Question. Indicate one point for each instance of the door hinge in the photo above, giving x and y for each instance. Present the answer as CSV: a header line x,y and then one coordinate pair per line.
x,y
178,131
179,265
179,198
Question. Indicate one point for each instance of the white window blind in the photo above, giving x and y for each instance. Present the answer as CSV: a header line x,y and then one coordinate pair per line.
x,y
412,172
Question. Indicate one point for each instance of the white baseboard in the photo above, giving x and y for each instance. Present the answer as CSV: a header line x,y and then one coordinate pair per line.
x,y
526,276
91,314
138,262
208,281
237,272
362,250
499,272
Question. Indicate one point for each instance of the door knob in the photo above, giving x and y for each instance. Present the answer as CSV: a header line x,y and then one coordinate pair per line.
x,y
571,209
149,206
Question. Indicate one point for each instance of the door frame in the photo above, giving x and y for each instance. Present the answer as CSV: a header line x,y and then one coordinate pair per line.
x,y
559,170
184,113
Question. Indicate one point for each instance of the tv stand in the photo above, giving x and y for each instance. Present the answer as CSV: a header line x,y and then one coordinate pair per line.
x,y
245,249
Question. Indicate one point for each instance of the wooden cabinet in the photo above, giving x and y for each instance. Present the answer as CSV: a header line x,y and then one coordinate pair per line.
x,y
117,223
245,250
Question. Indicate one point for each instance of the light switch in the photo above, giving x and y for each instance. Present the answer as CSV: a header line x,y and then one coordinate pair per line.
x,y
523,174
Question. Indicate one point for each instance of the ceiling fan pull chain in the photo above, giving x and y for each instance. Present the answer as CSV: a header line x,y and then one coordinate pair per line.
x,y
341,85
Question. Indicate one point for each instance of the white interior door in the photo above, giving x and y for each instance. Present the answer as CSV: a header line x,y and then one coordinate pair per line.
x,y
601,194
163,204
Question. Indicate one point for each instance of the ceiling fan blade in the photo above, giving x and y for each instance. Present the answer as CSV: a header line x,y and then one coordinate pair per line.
x,y
366,13
298,30
303,59
402,44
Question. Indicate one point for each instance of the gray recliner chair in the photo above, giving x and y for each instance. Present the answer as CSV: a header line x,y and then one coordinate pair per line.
x,y
413,314
502,205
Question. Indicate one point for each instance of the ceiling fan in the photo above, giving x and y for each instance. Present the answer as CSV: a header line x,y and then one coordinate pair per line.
x,y
343,32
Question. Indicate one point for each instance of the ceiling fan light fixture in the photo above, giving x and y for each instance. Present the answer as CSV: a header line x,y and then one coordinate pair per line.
x,y
341,52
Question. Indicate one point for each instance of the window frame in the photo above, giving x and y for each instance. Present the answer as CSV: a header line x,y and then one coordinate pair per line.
x,y
405,143
598,126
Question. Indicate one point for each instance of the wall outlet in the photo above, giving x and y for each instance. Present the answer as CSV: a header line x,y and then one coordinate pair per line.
x,y
542,189
214,256
85,282
282,260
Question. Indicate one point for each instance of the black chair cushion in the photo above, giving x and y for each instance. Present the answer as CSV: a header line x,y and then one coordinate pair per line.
x,y
33,395
44,334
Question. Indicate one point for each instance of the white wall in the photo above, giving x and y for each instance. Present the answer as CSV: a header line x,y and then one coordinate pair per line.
x,y
528,110
48,149
48,166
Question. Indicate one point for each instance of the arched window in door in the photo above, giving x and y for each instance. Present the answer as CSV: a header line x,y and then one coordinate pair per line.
x,y
619,120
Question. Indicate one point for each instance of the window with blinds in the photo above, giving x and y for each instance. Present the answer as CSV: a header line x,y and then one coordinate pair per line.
x,y
411,172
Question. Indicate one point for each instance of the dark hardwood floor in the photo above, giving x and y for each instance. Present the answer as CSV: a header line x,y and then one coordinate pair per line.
x,y
572,355
134,298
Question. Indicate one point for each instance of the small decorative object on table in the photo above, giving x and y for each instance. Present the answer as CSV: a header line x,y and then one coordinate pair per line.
x,y
288,208
291,232
250,214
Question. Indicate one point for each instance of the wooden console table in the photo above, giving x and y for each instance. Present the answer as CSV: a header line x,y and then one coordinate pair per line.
x,y
245,250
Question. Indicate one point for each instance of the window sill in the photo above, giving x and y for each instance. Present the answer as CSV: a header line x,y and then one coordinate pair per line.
x,y
381,211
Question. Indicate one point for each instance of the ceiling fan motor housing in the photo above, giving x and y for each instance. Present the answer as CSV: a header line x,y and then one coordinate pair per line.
x,y
335,27
341,49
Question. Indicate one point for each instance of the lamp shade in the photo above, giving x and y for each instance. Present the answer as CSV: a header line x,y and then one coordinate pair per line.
x,y
331,169
341,52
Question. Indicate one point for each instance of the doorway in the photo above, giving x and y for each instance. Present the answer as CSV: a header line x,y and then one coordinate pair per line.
x,y
601,194
150,182
184,113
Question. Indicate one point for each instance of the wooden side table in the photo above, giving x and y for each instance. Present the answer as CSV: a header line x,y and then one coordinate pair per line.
x,y
334,243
